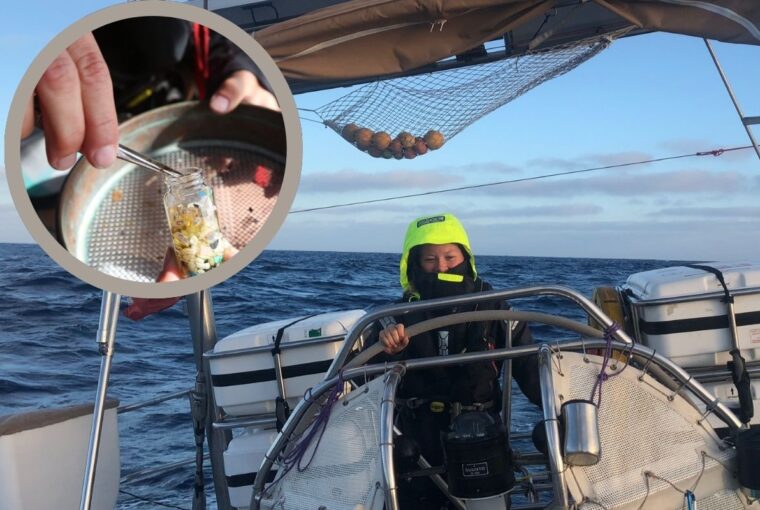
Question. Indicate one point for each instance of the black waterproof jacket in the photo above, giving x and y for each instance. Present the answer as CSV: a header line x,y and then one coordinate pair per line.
x,y
475,382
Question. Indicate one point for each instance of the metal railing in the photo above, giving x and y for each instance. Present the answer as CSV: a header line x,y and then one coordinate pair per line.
x,y
683,379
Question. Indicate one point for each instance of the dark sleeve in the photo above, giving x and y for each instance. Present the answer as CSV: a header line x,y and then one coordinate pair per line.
x,y
225,57
525,369
137,47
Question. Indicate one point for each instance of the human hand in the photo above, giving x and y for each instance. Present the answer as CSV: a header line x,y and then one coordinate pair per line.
x,y
242,87
394,338
171,272
77,108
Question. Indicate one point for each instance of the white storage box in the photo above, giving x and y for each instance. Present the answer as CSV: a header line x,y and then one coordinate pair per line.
x,y
242,365
242,460
678,311
726,393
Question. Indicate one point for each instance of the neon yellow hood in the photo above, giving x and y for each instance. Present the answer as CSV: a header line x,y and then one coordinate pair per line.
x,y
435,229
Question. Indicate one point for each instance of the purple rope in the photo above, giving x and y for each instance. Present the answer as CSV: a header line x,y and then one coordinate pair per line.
x,y
608,336
316,430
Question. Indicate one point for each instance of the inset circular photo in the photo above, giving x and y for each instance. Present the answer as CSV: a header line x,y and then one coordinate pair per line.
x,y
159,149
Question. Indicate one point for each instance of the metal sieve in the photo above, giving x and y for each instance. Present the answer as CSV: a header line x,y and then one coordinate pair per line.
x,y
114,220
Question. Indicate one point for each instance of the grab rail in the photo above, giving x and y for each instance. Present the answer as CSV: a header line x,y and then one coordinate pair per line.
x,y
495,295
675,371
553,446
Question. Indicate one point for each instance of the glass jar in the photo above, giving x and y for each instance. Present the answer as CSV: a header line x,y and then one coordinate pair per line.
x,y
193,222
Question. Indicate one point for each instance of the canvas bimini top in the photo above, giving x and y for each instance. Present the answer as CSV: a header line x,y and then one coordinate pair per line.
x,y
361,40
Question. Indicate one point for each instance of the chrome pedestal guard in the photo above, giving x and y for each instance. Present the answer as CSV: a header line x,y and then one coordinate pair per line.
x,y
584,303
109,315
623,343
387,408
553,446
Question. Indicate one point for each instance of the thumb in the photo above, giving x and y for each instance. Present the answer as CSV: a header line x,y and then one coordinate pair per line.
x,y
229,94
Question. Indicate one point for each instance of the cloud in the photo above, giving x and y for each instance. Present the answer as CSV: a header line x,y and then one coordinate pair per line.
x,y
663,238
351,180
686,145
555,163
589,160
679,182
404,211
561,211
710,212
496,167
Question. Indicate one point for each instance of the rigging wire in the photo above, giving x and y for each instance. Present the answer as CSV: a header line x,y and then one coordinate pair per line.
x,y
716,153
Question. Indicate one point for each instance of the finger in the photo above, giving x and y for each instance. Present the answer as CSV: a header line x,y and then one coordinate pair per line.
x,y
241,86
101,125
229,251
231,92
262,97
171,271
62,114
142,307
27,126
387,341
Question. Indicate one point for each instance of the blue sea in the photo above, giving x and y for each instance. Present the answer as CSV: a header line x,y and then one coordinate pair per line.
x,y
49,319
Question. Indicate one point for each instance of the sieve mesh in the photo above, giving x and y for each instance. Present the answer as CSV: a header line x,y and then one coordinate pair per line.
x,y
127,235
344,473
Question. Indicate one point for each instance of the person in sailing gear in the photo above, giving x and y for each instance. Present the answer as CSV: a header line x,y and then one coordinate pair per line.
x,y
437,261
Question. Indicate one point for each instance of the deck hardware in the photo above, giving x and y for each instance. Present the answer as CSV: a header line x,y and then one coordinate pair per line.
x,y
106,337
646,366
672,396
558,358
708,410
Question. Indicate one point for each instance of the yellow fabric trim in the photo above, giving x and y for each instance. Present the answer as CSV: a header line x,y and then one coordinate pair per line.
x,y
446,277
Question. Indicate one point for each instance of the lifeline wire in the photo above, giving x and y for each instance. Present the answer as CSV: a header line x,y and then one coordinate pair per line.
x,y
716,153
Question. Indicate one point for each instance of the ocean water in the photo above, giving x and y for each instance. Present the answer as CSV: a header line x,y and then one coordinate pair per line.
x,y
49,319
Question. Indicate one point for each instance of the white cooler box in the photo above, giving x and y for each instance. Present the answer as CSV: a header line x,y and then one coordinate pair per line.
x,y
242,365
726,393
678,311
242,460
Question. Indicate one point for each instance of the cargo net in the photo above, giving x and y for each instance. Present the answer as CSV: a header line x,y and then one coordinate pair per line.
x,y
407,117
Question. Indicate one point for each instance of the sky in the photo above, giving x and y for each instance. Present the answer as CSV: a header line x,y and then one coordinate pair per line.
x,y
645,97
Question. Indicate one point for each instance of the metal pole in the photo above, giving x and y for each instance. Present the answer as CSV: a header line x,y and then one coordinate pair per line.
x,y
553,447
203,330
733,98
109,314
506,391
386,435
